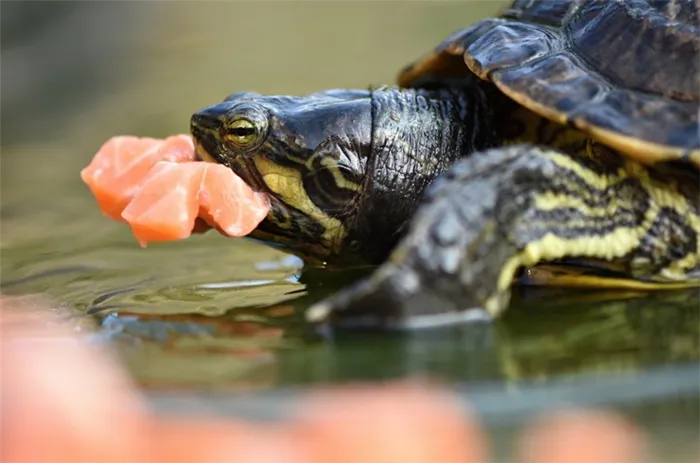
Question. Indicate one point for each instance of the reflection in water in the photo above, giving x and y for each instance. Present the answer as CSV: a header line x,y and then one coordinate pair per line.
x,y
574,331
181,352
547,333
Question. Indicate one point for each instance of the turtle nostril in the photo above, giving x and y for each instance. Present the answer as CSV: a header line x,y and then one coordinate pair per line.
x,y
208,118
203,122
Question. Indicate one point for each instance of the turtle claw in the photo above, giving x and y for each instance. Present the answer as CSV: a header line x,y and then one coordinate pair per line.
x,y
391,299
377,301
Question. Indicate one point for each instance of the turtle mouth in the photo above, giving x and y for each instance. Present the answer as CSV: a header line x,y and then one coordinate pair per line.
x,y
209,148
284,227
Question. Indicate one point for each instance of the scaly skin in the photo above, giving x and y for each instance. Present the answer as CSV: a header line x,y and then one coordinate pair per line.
x,y
507,208
347,171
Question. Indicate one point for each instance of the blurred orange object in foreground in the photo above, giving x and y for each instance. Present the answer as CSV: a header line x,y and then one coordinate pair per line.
x,y
66,401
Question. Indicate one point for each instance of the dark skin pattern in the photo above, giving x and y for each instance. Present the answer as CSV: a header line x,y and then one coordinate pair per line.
x,y
477,212
391,143
440,207
481,213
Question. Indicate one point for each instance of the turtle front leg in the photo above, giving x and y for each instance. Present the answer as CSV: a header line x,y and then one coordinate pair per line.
x,y
503,209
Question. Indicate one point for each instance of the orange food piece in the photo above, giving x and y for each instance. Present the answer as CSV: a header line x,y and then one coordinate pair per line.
x,y
122,163
166,206
58,392
565,437
227,202
392,423
158,188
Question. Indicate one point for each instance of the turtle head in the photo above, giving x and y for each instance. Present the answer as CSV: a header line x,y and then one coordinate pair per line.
x,y
344,169
309,154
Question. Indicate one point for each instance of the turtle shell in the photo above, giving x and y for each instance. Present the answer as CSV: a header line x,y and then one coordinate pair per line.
x,y
627,72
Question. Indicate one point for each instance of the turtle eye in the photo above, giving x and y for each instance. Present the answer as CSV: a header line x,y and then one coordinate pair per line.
x,y
242,132
245,127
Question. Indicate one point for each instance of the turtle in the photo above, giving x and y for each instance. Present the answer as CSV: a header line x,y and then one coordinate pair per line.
x,y
555,143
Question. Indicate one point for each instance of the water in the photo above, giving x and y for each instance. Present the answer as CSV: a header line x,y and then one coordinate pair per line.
x,y
212,314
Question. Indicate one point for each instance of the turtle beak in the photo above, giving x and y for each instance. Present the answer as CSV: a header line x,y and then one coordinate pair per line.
x,y
205,126
209,119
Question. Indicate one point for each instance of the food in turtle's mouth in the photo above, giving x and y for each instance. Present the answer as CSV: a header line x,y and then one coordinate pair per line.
x,y
164,194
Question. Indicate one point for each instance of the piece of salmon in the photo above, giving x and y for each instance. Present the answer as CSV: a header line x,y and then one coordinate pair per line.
x,y
228,203
123,162
158,188
165,207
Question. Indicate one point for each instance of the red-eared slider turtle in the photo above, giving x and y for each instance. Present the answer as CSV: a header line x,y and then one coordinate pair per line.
x,y
562,133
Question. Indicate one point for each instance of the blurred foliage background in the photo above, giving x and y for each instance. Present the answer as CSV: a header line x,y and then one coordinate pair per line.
x,y
145,66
